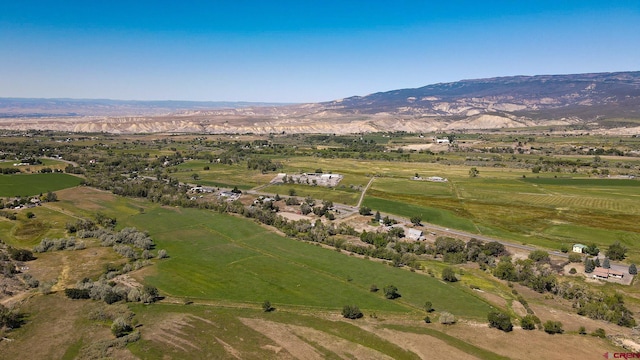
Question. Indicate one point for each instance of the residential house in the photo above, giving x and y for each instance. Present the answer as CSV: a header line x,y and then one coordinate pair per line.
x,y
600,273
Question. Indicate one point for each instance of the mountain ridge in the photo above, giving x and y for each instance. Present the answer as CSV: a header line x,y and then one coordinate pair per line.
x,y
593,100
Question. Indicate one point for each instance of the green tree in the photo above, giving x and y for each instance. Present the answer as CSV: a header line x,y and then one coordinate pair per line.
x,y
606,263
633,270
616,251
592,249
416,220
364,210
500,320
376,217
373,288
494,248
505,270
448,274
351,312
599,332
539,256
292,192
474,172
391,292
305,209
51,197
589,265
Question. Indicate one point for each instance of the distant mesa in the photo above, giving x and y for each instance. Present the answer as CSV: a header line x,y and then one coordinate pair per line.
x,y
592,101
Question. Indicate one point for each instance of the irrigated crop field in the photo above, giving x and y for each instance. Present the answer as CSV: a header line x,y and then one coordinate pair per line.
x,y
217,257
34,184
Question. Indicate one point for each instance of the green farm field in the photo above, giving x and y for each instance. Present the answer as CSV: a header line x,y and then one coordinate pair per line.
x,y
542,211
220,175
222,258
34,184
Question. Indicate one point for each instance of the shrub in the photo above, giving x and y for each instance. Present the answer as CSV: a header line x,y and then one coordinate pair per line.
x,y
77,293
149,294
121,327
21,254
351,312
162,254
553,327
9,318
428,306
447,318
573,271
111,297
575,258
582,330
373,288
448,274
599,332
266,306
529,322
391,292
427,320
500,320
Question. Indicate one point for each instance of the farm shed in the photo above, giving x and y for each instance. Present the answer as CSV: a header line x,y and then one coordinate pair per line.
x,y
414,234
579,248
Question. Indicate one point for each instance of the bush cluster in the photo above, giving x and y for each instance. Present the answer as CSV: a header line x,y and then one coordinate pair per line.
x,y
70,243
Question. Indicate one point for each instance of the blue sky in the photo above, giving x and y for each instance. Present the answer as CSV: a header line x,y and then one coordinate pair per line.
x,y
299,51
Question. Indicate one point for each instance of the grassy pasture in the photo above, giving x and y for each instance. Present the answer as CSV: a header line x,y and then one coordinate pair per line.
x,y
28,232
338,195
34,184
221,175
46,163
224,258
85,202
433,215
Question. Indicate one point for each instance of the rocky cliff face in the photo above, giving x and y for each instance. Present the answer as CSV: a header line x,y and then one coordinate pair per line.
x,y
507,102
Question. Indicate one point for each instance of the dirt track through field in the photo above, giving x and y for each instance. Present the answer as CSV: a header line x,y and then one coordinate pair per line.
x,y
306,343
